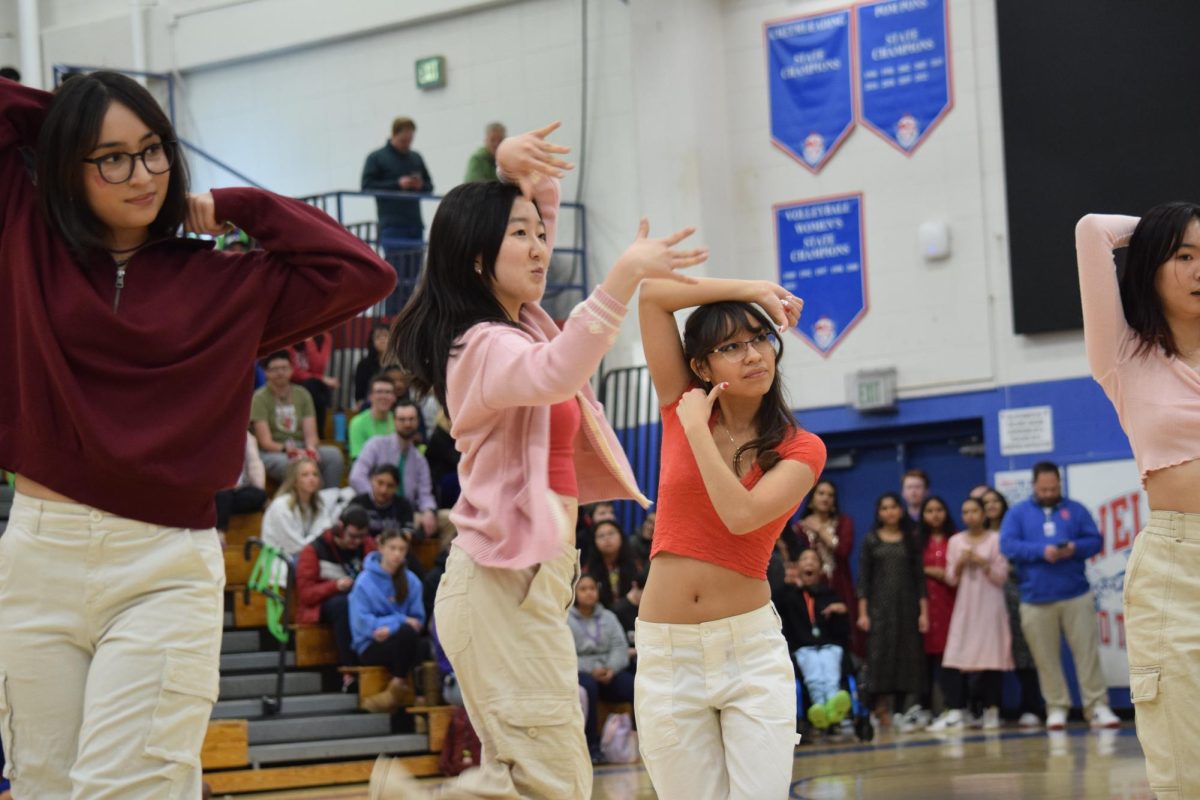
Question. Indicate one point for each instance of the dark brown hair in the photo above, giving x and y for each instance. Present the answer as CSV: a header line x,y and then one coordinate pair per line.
x,y
709,326
400,578
1155,240
71,131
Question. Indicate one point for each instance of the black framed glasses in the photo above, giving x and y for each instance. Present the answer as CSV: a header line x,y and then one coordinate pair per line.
x,y
737,351
118,167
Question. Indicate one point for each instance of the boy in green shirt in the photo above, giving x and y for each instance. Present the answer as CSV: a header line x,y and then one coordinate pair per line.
x,y
377,419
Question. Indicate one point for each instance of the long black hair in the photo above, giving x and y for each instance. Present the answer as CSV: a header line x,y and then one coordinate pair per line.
x,y
924,531
1003,508
71,130
1155,240
400,577
906,525
451,297
706,328
628,566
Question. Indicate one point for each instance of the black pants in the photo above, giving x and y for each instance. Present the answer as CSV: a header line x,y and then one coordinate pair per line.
x,y
933,666
242,500
400,652
335,612
618,690
1031,693
322,396
978,690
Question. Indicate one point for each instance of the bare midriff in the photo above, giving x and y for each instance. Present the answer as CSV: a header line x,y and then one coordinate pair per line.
x,y
31,488
684,591
1175,488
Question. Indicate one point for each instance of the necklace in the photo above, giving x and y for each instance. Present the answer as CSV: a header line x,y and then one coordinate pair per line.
x,y
737,450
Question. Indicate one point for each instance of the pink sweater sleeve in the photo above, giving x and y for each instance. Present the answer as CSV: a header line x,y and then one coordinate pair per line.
x,y
1104,325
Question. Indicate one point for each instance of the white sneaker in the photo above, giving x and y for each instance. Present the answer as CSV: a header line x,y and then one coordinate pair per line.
x,y
991,718
1056,719
915,719
1030,720
973,720
950,720
1103,717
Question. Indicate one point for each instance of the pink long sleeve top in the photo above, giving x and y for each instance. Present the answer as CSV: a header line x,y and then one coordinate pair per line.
x,y
1157,397
500,384
980,636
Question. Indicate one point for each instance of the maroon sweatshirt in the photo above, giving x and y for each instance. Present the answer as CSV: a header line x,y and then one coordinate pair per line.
x,y
142,412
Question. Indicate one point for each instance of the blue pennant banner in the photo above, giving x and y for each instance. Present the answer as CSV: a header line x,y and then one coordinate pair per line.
x,y
821,261
810,84
905,84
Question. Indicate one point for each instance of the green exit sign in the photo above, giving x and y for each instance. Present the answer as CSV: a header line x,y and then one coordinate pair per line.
x,y
431,72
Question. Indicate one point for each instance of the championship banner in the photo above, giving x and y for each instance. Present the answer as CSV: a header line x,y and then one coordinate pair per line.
x,y
810,85
822,261
904,69
1111,490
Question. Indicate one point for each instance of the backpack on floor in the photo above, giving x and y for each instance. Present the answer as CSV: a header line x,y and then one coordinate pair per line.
x,y
461,750
619,741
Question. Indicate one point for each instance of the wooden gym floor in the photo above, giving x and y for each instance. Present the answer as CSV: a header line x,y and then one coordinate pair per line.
x,y
1002,765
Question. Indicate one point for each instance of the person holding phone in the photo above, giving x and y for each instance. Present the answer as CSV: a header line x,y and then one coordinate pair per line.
x,y
1049,538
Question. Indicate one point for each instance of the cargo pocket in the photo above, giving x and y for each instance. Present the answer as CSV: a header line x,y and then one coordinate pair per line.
x,y
190,684
6,731
653,700
537,729
1143,684
451,611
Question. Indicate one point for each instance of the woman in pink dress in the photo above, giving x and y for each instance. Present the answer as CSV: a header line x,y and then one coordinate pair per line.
x,y
979,646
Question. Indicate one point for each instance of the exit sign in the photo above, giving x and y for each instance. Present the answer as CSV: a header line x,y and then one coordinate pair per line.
x,y
872,390
431,72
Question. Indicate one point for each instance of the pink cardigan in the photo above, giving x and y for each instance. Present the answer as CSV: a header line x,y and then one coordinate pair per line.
x,y
1157,397
499,389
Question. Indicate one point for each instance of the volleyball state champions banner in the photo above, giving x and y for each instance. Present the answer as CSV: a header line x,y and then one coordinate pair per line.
x,y
811,86
904,79
822,260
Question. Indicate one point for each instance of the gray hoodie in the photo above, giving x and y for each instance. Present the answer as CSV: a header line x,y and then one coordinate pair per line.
x,y
599,640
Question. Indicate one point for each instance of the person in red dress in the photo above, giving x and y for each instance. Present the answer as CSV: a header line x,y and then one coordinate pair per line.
x,y
935,529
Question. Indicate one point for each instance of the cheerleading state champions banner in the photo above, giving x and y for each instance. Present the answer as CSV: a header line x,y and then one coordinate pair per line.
x,y
810,85
822,259
904,78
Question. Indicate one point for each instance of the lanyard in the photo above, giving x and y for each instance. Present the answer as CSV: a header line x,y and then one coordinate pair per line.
x,y
812,616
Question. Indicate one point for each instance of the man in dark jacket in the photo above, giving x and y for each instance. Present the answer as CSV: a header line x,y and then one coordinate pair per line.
x,y
325,573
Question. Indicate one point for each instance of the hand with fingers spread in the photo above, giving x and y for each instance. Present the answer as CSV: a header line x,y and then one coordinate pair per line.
x,y
695,408
202,216
525,159
655,258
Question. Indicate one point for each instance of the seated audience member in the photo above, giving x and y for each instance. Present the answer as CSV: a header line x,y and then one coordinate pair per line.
x,y
325,574
585,527
643,540
370,364
377,419
603,653
443,458
310,360
612,564
389,511
386,617
283,421
248,494
427,407
400,450
817,628
299,513
626,611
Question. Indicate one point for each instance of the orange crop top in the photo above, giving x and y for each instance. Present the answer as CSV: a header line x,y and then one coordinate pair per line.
x,y
564,424
688,525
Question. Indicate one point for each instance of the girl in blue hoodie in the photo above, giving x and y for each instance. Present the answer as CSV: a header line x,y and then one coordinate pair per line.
x,y
386,618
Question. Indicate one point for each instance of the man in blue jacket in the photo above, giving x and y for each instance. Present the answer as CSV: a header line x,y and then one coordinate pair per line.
x,y
1048,538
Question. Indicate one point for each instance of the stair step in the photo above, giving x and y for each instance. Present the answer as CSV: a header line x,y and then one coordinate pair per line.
x,y
239,641
338,748
305,729
235,687
242,662
304,704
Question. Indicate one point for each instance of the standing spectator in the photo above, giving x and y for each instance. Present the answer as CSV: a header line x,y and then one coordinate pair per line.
x,y
934,532
613,563
126,347
481,166
603,653
892,608
396,166
370,364
823,527
284,422
979,647
248,494
376,420
643,540
325,573
399,450
1031,709
298,513
914,488
387,614
1048,538
310,361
